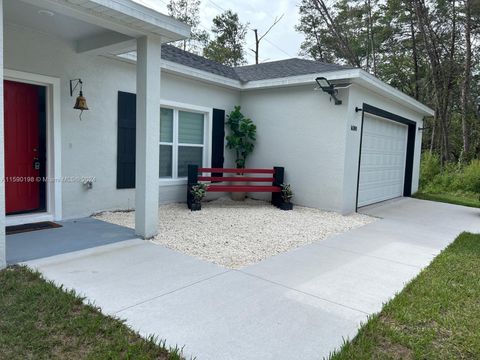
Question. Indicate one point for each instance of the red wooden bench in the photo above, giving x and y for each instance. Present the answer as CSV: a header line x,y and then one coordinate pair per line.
x,y
273,176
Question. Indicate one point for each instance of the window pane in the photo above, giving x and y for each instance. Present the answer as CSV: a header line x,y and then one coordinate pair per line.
x,y
190,128
188,155
165,161
166,125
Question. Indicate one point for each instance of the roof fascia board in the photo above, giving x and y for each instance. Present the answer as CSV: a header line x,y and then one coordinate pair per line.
x,y
147,15
187,72
197,74
357,76
371,82
300,80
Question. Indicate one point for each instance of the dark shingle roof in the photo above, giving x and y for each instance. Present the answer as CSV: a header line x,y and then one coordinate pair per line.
x,y
284,68
268,70
179,56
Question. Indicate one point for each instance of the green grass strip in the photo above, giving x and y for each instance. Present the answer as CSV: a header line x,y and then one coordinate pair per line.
x,y
471,201
41,321
436,316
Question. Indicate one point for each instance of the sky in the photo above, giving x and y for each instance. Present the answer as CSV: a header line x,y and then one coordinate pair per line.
x,y
282,42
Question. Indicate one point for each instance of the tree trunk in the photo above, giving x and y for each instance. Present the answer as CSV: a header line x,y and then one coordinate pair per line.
x,y
335,31
371,38
466,81
442,63
414,52
256,45
432,138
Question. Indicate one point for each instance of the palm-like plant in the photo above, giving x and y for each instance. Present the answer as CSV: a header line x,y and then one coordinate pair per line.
x,y
242,136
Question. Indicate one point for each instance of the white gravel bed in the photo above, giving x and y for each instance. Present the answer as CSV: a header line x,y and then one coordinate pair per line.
x,y
235,234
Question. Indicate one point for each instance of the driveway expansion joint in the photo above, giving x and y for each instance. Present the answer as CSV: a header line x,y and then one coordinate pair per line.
x,y
171,292
303,292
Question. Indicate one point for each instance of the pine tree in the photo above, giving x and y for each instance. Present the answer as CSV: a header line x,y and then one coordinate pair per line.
x,y
188,11
228,46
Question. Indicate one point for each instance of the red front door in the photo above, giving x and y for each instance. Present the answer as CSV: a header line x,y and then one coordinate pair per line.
x,y
22,147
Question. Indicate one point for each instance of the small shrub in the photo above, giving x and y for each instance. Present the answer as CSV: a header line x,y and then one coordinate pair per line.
x,y
470,177
198,192
287,192
429,168
454,178
442,182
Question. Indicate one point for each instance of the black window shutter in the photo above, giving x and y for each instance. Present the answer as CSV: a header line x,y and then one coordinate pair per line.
x,y
218,139
127,113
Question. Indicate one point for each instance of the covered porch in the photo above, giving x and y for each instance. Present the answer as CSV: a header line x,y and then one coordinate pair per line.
x,y
43,45
70,236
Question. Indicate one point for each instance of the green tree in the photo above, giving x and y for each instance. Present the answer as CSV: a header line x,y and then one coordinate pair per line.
x,y
188,11
228,46
428,49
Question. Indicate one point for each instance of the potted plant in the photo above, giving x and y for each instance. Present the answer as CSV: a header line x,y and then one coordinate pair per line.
x,y
287,195
241,140
198,193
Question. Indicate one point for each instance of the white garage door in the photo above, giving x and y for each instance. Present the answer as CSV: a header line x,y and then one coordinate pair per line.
x,y
382,163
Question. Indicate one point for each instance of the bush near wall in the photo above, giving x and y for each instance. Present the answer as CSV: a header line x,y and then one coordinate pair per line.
x,y
463,179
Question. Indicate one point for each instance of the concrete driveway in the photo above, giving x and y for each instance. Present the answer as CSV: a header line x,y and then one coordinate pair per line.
x,y
298,305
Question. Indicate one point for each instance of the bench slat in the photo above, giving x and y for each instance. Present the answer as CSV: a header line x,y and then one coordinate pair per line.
x,y
243,188
232,178
236,171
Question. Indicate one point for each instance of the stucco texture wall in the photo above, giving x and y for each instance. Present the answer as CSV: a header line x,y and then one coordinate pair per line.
x,y
89,146
302,130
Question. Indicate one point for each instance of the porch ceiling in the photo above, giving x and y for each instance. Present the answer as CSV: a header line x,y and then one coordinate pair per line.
x,y
26,15
94,25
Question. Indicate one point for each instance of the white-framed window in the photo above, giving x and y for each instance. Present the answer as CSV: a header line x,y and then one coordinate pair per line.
x,y
183,140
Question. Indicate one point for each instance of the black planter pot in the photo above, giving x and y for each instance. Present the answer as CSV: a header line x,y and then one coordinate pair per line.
x,y
285,206
196,206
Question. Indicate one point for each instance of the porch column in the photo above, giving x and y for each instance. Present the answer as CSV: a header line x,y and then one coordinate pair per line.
x,y
148,136
3,255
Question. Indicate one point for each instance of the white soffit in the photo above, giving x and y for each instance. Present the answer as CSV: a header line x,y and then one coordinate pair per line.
x,y
123,16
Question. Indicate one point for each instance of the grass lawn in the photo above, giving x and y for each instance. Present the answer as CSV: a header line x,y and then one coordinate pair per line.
x,y
457,199
41,321
437,315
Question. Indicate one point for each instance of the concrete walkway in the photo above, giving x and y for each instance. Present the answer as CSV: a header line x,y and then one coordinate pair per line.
x,y
298,305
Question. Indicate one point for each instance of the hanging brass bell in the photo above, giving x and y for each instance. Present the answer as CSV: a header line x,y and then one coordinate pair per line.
x,y
81,102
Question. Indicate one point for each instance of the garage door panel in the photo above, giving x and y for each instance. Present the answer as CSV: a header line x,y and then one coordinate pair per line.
x,y
382,166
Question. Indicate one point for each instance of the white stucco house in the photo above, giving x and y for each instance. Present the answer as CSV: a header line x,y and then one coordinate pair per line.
x,y
136,148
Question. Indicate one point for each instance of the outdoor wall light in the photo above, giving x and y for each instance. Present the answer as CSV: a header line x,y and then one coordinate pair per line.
x,y
329,88
80,102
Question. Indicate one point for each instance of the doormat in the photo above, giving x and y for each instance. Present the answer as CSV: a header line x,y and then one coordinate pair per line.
x,y
17,229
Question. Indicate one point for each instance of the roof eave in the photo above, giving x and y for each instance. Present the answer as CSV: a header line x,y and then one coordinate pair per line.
x,y
300,79
376,85
357,76
123,16
197,74
156,22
